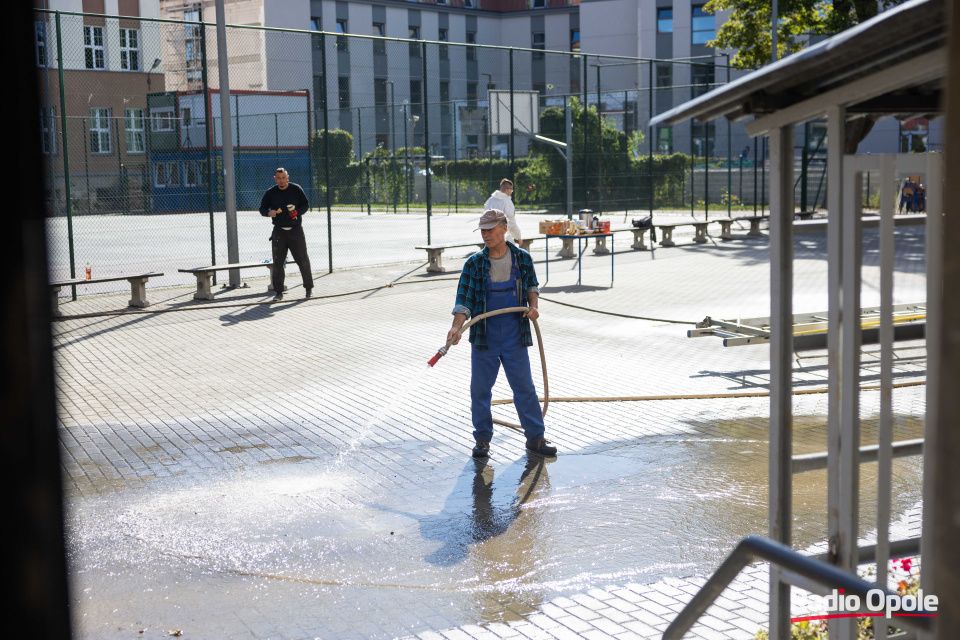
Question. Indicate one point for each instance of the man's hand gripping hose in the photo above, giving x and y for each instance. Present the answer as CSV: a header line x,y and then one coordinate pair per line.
x,y
543,363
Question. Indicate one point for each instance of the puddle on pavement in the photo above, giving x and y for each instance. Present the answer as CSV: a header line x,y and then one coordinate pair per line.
x,y
470,542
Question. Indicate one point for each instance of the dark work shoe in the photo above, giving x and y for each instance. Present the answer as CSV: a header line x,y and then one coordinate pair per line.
x,y
482,450
309,293
278,297
542,446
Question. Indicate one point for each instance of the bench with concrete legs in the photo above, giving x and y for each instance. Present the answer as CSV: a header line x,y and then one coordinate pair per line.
x,y
205,276
138,290
666,229
435,252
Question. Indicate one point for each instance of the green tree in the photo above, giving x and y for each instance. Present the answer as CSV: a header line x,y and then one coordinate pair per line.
x,y
748,32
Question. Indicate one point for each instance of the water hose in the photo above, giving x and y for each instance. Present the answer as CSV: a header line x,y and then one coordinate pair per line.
x,y
543,362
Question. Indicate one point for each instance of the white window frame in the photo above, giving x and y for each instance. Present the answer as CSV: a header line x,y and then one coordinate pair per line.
x,y
129,49
101,138
166,174
40,42
162,119
48,131
198,169
97,55
135,130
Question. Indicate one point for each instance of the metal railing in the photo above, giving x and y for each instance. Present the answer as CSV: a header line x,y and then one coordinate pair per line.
x,y
815,570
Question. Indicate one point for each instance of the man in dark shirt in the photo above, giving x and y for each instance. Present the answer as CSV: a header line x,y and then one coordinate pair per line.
x,y
286,203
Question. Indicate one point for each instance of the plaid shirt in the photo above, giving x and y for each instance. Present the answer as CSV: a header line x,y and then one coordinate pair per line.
x,y
472,292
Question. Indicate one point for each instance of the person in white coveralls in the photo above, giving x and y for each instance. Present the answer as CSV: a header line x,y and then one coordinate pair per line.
x,y
500,200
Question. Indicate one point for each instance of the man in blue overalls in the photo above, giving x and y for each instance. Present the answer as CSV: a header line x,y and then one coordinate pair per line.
x,y
498,277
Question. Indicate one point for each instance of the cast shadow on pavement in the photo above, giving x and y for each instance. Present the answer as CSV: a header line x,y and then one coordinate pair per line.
x,y
258,312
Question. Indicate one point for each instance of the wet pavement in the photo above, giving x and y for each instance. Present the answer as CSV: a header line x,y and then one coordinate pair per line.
x,y
295,470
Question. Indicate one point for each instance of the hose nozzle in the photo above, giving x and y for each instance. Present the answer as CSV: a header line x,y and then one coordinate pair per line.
x,y
440,353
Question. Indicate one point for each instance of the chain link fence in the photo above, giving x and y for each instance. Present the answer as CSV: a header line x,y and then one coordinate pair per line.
x,y
371,128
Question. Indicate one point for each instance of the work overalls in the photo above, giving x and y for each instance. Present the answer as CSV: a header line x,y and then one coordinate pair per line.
x,y
504,345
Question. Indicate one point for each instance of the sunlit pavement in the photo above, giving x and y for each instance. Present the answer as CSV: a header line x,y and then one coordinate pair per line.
x,y
295,470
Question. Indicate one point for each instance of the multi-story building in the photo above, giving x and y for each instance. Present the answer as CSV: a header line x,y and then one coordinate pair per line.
x,y
109,65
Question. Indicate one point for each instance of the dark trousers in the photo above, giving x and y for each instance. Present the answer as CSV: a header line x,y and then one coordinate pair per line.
x,y
296,242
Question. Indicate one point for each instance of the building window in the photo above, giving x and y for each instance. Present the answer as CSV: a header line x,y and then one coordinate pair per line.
x,y
414,34
444,49
664,20
471,39
379,46
665,140
664,75
704,26
133,123
575,40
468,4
191,43
166,174
100,141
342,43
48,132
316,24
538,4
343,88
472,94
161,119
93,47
444,91
40,42
538,42
195,173
129,50
702,77
441,1
380,91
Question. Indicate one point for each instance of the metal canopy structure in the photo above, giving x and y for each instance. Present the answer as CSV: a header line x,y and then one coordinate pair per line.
x,y
904,45
896,64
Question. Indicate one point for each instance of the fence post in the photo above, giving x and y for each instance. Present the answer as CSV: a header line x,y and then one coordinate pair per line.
x,y
754,176
650,91
729,155
626,164
208,123
586,136
66,159
86,160
276,139
326,149
359,135
406,157
456,185
510,167
426,138
599,147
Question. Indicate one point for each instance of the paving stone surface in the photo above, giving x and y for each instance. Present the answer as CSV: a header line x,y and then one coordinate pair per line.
x,y
242,469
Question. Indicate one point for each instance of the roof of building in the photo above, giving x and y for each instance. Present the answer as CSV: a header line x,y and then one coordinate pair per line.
x,y
888,41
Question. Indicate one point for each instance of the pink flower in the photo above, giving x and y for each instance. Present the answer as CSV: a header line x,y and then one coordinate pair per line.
x,y
905,564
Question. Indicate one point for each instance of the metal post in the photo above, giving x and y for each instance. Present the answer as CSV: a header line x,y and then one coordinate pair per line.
x,y
754,176
586,136
86,160
510,166
66,159
775,17
393,145
406,157
326,149
359,135
804,164
207,124
426,138
236,102
763,177
229,187
650,144
568,132
781,369
885,430
599,148
626,164
730,156
276,138
456,184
